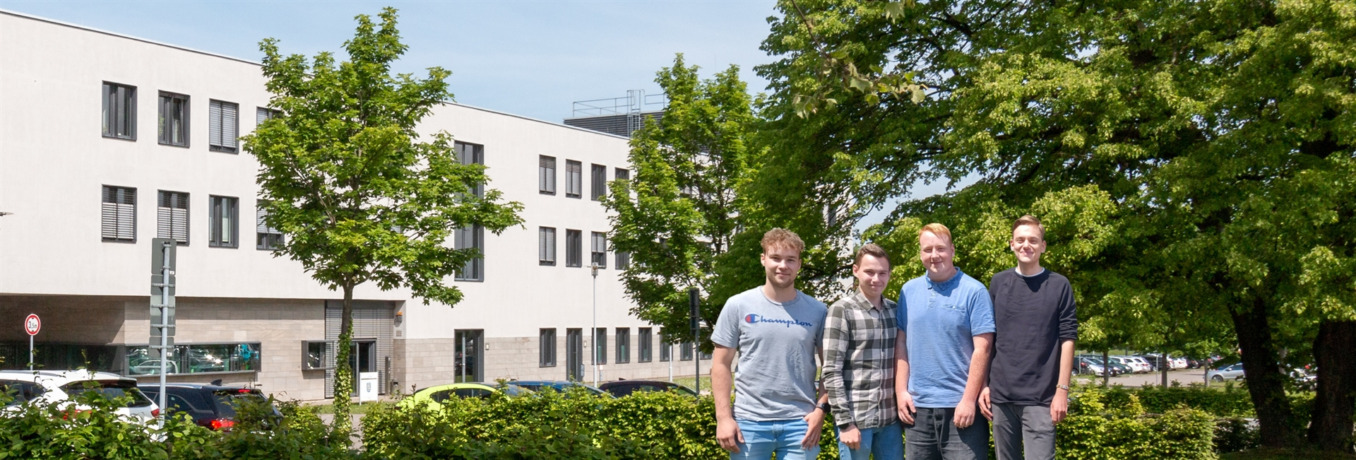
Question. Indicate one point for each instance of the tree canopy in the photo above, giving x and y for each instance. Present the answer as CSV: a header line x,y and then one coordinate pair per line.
x,y
1193,161
359,195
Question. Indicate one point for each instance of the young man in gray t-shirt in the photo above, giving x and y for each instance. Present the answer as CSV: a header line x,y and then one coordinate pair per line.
x,y
776,331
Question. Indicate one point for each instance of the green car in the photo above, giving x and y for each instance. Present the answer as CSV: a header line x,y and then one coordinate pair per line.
x,y
435,395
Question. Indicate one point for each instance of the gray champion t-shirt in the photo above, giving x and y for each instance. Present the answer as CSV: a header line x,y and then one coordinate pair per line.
x,y
775,372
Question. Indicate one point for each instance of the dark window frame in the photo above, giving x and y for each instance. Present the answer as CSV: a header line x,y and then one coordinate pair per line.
x,y
600,345
546,175
223,133
574,248
574,179
266,238
118,203
167,201
644,344
546,246
223,208
598,189
623,339
119,111
546,347
165,122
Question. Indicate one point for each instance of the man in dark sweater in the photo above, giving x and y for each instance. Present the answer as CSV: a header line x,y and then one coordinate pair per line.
x,y
1037,324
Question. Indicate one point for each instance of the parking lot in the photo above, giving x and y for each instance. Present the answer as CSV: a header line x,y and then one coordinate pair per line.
x,y
1181,376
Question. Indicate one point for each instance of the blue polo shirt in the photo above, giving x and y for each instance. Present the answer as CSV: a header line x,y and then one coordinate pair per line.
x,y
939,321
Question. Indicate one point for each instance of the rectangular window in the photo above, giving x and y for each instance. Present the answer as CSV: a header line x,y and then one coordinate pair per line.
x,y
266,237
686,352
466,238
472,154
315,355
574,178
599,173
645,344
623,174
547,346
172,217
546,175
623,345
119,214
262,114
600,345
574,247
665,348
120,111
223,222
546,246
223,126
471,237
173,119
599,253
623,260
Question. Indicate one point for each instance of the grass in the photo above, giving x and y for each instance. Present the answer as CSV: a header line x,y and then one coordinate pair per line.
x,y
689,382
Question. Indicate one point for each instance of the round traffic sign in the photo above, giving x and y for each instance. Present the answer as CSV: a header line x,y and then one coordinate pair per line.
x,y
32,324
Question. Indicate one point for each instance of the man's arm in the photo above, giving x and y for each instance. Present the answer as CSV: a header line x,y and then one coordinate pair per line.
x,y
814,420
722,379
1059,407
837,335
902,396
979,377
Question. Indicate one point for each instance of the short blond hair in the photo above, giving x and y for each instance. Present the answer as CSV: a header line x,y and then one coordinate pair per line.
x,y
939,230
780,237
1029,220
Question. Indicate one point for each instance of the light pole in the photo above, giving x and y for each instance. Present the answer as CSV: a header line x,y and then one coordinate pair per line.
x,y
594,343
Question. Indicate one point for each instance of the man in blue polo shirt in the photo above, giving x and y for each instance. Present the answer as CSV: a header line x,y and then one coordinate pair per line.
x,y
946,329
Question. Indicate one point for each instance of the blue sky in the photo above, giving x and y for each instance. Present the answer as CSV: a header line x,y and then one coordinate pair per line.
x,y
526,57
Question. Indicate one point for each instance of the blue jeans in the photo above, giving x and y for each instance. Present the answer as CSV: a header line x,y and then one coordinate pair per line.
x,y
885,443
761,439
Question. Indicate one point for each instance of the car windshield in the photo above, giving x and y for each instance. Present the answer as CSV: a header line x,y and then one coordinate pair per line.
x,y
111,389
16,392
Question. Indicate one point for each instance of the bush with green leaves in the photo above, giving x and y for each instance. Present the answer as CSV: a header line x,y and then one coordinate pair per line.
x,y
1114,424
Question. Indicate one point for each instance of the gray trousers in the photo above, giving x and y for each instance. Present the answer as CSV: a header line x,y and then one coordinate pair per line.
x,y
1023,432
934,436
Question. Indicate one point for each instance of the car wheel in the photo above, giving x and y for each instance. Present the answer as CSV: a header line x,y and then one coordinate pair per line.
x,y
1217,378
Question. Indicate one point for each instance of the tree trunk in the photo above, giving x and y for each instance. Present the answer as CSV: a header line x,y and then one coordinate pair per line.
x,y
1106,368
1330,428
1266,383
342,426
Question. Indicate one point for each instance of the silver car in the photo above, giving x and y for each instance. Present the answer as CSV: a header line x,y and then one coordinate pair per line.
x,y
1229,372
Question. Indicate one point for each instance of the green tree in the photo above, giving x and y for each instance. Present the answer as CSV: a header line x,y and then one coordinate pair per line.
x,y
1194,160
681,211
359,194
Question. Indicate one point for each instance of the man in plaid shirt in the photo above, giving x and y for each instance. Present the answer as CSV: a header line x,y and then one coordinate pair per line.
x,y
859,363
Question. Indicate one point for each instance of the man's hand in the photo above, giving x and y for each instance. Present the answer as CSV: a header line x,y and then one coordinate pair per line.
x,y
815,423
1059,407
906,409
728,435
965,414
986,406
851,436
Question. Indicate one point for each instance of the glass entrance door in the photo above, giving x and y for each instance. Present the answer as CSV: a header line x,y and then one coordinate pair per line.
x,y
470,354
574,354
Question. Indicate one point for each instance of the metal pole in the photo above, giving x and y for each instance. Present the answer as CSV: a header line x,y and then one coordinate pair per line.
x,y
594,268
30,352
164,329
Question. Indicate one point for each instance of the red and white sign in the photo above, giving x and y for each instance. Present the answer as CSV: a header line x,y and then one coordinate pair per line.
x,y
32,324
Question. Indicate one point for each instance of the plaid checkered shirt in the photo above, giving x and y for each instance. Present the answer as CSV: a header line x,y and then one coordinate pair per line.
x,y
859,362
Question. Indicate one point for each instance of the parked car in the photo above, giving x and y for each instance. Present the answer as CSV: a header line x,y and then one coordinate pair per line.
x,y
435,395
622,388
1178,362
1227,372
557,385
1155,361
1131,364
211,406
1094,366
64,387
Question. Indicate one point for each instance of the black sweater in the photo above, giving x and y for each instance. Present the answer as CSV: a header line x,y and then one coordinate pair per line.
x,y
1032,315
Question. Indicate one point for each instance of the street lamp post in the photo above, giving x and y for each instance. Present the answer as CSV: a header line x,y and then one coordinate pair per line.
x,y
594,343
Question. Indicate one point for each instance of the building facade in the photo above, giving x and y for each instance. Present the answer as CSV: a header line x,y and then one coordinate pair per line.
x,y
109,141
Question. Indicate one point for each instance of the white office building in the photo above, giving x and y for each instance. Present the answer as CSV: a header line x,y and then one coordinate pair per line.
x,y
108,141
